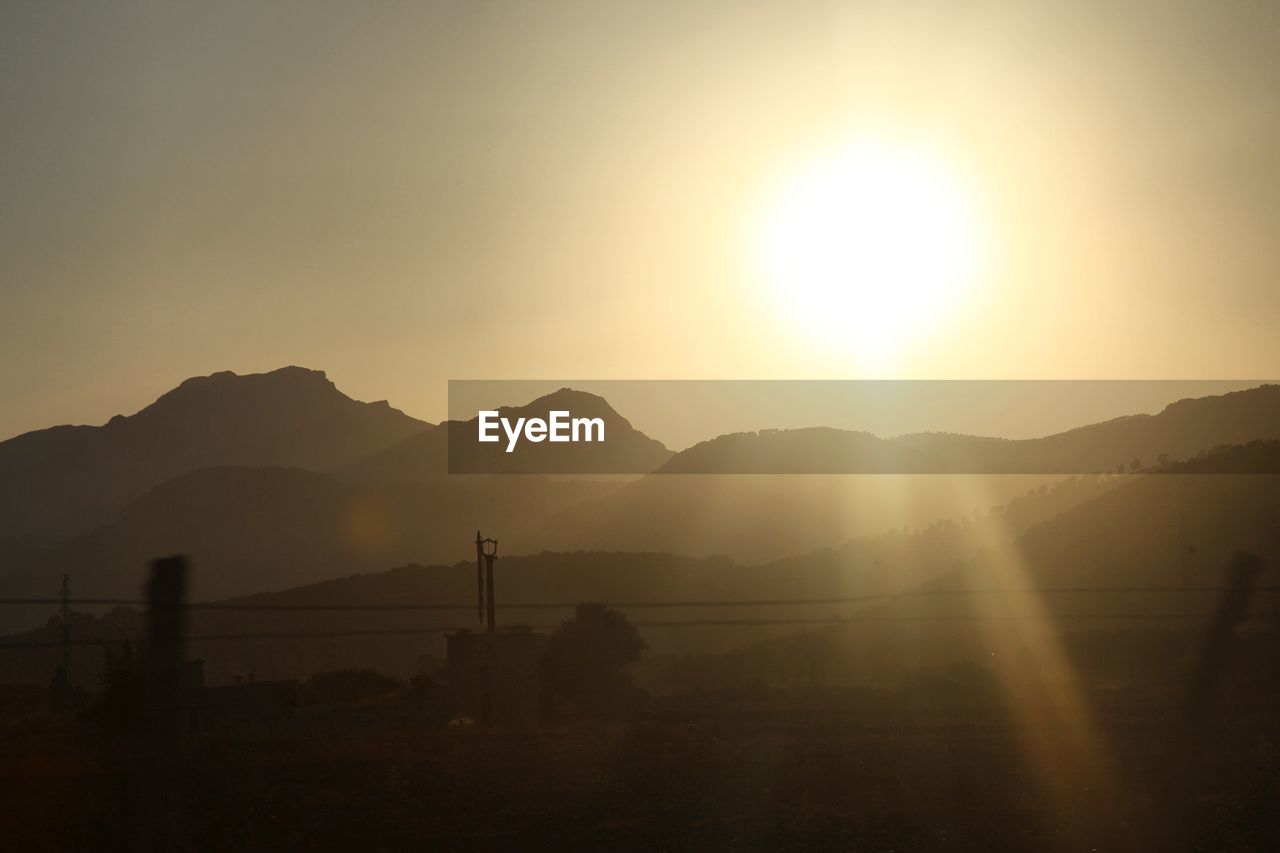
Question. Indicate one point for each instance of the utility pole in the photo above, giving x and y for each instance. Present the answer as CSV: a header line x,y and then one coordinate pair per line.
x,y
486,552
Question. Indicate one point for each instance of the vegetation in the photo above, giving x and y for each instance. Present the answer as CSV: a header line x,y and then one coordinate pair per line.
x,y
120,711
348,686
587,660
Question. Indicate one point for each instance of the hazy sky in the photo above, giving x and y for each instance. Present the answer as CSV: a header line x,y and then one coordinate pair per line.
x,y
402,193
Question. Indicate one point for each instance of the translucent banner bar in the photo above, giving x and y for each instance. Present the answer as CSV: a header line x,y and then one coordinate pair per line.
x,y
664,427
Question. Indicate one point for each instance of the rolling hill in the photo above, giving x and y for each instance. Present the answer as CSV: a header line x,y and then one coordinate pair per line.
x,y
258,526
67,480
1181,430
252,529
1116,532
453,447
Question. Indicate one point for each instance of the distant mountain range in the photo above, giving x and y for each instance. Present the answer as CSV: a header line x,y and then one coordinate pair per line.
x,y
252,529
1146,536
278,479
1181,430
66,480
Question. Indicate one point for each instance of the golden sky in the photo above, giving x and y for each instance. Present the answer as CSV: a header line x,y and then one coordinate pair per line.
x,y
402,193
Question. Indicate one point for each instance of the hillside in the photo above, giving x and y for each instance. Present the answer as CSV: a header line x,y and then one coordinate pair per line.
x,y
1127,582
756,518
256,526
255,529
66,480
1179,431
263,528
872,566
453,447
763,516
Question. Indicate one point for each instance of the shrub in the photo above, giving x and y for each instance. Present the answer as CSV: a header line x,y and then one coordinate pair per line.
x,y
347,686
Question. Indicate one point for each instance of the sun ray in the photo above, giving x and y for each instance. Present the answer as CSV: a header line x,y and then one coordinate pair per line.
x,y
1057,725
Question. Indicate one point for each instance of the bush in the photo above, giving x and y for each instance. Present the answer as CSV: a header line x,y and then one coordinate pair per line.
x,y
587,658
348,686
121,710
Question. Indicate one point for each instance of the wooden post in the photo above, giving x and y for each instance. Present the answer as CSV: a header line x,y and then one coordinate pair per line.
x,y
166,645
1216,651
161,772
1193,729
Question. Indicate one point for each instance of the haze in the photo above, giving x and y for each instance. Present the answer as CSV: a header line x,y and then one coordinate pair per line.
x,y
402,194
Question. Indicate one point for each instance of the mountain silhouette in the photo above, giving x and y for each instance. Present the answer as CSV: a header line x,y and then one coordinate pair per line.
x,y
1125,581
1181,430
753,517
263,518
761,515
252,529
453,447
1118,533
256,529
65,480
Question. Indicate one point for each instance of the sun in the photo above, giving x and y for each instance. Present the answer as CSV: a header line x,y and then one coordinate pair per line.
x,y
868,247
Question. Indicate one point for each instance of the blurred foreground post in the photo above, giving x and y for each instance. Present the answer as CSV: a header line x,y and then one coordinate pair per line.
x,y
159,748
1215,654
166,641
1193,727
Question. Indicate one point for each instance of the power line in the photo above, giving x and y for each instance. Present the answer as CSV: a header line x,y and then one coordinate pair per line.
x,y
120,601
637,605
686,623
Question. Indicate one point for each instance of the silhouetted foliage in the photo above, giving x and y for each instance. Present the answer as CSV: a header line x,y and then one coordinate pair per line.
x,y
344,686
121,709
587,658
426,681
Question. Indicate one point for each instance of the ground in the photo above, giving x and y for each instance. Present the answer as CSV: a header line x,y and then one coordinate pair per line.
x,y
760,770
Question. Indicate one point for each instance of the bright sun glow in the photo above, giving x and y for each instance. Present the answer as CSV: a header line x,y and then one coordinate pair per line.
x,y
869,247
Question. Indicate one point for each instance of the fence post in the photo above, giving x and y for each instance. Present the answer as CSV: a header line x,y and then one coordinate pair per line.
x,y
166,645
1216,652
1193,728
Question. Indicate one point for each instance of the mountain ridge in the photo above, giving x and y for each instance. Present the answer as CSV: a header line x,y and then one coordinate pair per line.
x,y
452,447
1179,430
68,479
1124,538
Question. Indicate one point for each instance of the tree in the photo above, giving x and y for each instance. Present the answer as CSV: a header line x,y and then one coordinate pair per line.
x,y
120,711
587,657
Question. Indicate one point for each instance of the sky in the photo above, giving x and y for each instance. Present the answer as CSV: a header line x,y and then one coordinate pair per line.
x,y
406,193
